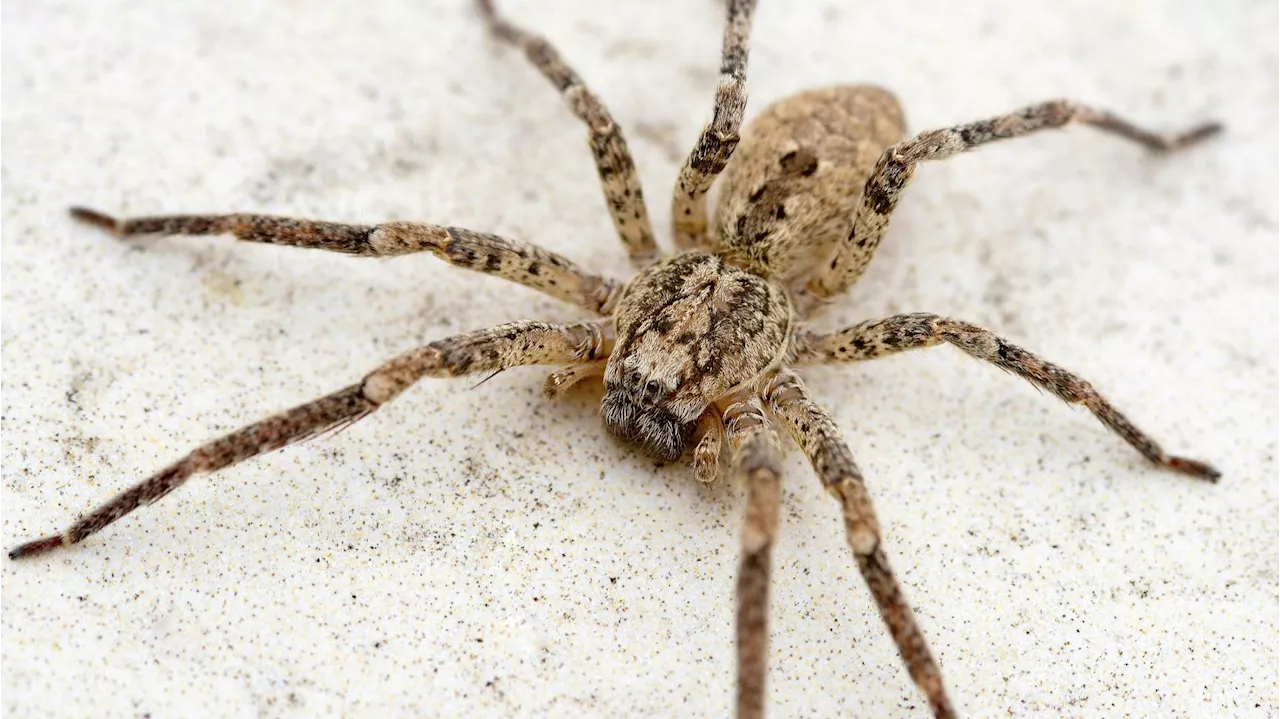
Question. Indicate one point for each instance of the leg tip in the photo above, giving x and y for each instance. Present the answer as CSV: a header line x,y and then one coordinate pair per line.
x,y
706,469
98,219
499,27
1195,468
37,546
554,386
944,710
1195,136
1204,132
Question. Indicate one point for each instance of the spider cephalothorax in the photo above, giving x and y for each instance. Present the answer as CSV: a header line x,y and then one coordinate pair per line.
x,y
690,330
697,350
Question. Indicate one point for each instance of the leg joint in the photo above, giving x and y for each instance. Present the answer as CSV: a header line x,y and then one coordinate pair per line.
x,y
860,521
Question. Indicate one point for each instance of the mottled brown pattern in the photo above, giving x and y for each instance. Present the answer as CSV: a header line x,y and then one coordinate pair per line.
x,y
520,262
877,338
690,331
814,430
511,345
694,352
331,236
334,411
618,179
782,217
755,465
895,167
716,144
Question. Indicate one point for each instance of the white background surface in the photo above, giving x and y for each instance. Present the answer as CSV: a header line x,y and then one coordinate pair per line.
x,y
482,552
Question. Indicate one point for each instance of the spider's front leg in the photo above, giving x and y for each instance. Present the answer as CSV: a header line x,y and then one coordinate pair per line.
x,y
520,262
816,432
877,338
755,462
896,166
491,350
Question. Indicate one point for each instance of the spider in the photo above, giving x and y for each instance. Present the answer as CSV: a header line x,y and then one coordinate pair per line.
x,y
697,352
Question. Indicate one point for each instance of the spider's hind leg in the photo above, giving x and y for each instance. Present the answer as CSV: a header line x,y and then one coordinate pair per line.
x,y
896,166
491,350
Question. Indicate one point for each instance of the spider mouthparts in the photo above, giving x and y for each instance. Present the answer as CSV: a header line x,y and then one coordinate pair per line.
x,y
36,546
1195,468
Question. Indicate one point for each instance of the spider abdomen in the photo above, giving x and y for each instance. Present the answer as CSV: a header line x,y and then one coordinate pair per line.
x,y
791,190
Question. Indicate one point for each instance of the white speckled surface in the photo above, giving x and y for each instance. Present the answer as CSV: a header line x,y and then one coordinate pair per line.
x,y
481,552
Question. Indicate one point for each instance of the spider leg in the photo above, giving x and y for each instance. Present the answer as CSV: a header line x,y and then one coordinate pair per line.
x,y
815,431
520,262
877,338
719,138
893,171
618,178
755,461
509,345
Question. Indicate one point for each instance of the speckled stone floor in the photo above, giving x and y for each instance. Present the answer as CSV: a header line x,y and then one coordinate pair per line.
x,y
476,551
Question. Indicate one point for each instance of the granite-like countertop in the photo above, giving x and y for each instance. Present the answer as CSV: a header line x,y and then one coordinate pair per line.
x,y
477,551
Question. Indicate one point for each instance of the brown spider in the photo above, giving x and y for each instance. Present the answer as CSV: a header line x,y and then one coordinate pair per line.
x,y
696,351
